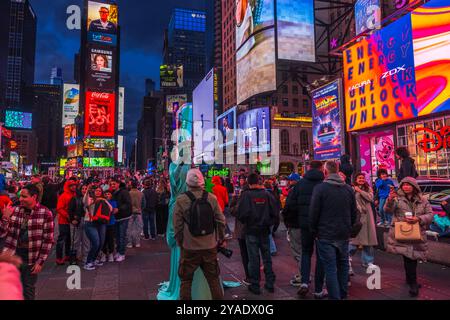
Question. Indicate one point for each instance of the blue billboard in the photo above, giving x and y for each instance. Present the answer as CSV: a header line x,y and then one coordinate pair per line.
x,y
254,133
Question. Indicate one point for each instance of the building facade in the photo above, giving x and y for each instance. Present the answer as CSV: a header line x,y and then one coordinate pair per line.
x,y
229,54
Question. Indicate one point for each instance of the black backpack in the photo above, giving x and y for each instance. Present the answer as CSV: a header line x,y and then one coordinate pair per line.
x,y
201,216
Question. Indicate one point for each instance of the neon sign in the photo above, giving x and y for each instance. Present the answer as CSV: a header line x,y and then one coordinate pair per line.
x,y
434,140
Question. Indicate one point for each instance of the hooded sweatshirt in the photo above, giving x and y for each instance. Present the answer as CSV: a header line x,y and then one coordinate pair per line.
x,y
333,209
220,192
10,284
62,207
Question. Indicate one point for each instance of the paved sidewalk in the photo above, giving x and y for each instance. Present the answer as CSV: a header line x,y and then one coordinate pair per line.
x,y
137,278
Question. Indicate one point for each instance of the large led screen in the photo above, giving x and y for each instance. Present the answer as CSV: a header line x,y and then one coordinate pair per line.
x,y
101,71
255,44
255,135
295,28
326,126
203,115
70,135
226,124
401,71
100,114
102,23
367,15
121,111
71,104
171,76
18,119
174,102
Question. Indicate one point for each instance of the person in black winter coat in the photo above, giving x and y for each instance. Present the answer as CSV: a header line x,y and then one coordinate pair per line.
x,y
332,214
300,199
123,214
50,194
346,168
407,165
149,212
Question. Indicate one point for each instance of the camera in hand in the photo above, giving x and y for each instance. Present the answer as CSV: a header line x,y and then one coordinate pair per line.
x,y
226,252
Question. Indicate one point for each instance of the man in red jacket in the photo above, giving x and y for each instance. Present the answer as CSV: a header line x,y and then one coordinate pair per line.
x,y
62,210
220,192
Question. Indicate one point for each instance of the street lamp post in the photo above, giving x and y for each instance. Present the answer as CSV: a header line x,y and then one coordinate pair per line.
x,y
135,156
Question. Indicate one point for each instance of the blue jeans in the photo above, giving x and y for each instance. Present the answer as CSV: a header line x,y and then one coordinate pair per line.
x,y
435,228
334,257
121,236
149,219
367,255
381,210
255,245
307,254
96,233
273,246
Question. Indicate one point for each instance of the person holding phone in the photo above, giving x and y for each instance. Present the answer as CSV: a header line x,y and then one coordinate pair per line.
x,y
409,205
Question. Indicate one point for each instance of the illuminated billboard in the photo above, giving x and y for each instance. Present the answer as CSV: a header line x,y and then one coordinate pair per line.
x,y
18,119
171,76
75,150
121,111
256,135
203,116
70,135
71,103
183,119
295,29
326,127
226,124
120,144
100,115
367,15
98,162
99,144
401,71
102,22
174,102
255,45
101,71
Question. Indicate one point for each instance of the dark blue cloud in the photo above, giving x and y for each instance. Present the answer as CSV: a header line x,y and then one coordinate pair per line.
x,y
142,31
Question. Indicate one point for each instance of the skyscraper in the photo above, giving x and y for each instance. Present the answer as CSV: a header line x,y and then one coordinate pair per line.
x,y
17,50
56,77
185,45
229,53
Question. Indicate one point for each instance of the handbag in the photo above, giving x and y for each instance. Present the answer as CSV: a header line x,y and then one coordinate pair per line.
x,y
406,232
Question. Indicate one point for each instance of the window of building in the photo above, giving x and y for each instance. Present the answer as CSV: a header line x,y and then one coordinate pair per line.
x,y
294,90
296,150
304,91
274,101
285,102
304,140
284,89
295,103
285,142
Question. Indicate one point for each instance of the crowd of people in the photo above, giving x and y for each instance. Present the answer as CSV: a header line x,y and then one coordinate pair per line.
x,y
330,214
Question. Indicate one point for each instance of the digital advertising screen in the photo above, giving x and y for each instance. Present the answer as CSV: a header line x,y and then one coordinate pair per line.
x,y
226,124
100,114
98,162
120,141
75,150
256,136
171,76
183,119
18,119
99,144
367,15
296,32
174,102
102,22
71,103
401,71
70,135
326,127
121,111
101,71
255,44
203,115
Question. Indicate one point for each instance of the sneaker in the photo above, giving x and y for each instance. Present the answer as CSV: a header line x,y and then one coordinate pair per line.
x,y
273,254
303,291
350,271
153,238
296,282
60,262
138,245
110,257
89,266
414,290
129,246
103,258
254,290
146,238
371,266
246,282
380,224
120,258
321,295
228,236
269,289
98,263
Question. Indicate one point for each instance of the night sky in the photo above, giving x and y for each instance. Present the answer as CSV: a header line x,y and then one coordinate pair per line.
x,y
142,29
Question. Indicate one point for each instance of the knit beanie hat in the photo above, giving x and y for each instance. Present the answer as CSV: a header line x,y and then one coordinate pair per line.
x,y
195,179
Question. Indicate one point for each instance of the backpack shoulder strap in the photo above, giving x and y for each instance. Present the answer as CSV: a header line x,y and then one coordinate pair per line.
x,y
190,196
205,195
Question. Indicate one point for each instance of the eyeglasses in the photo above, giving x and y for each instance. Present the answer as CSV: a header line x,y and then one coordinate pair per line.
x,y
105,12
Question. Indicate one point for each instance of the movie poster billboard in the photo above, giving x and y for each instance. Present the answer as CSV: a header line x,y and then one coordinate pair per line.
x,y
326,127
71,103
174,102
255,48
102,22
367,15
295,28
171,76
101,71
226,124
256,136
70,135
100,115
398,72
121,111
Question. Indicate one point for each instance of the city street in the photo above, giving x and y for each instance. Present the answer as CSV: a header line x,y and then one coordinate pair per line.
x,y
137,278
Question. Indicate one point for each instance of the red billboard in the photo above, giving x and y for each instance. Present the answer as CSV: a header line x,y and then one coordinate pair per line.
x,y
100,115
